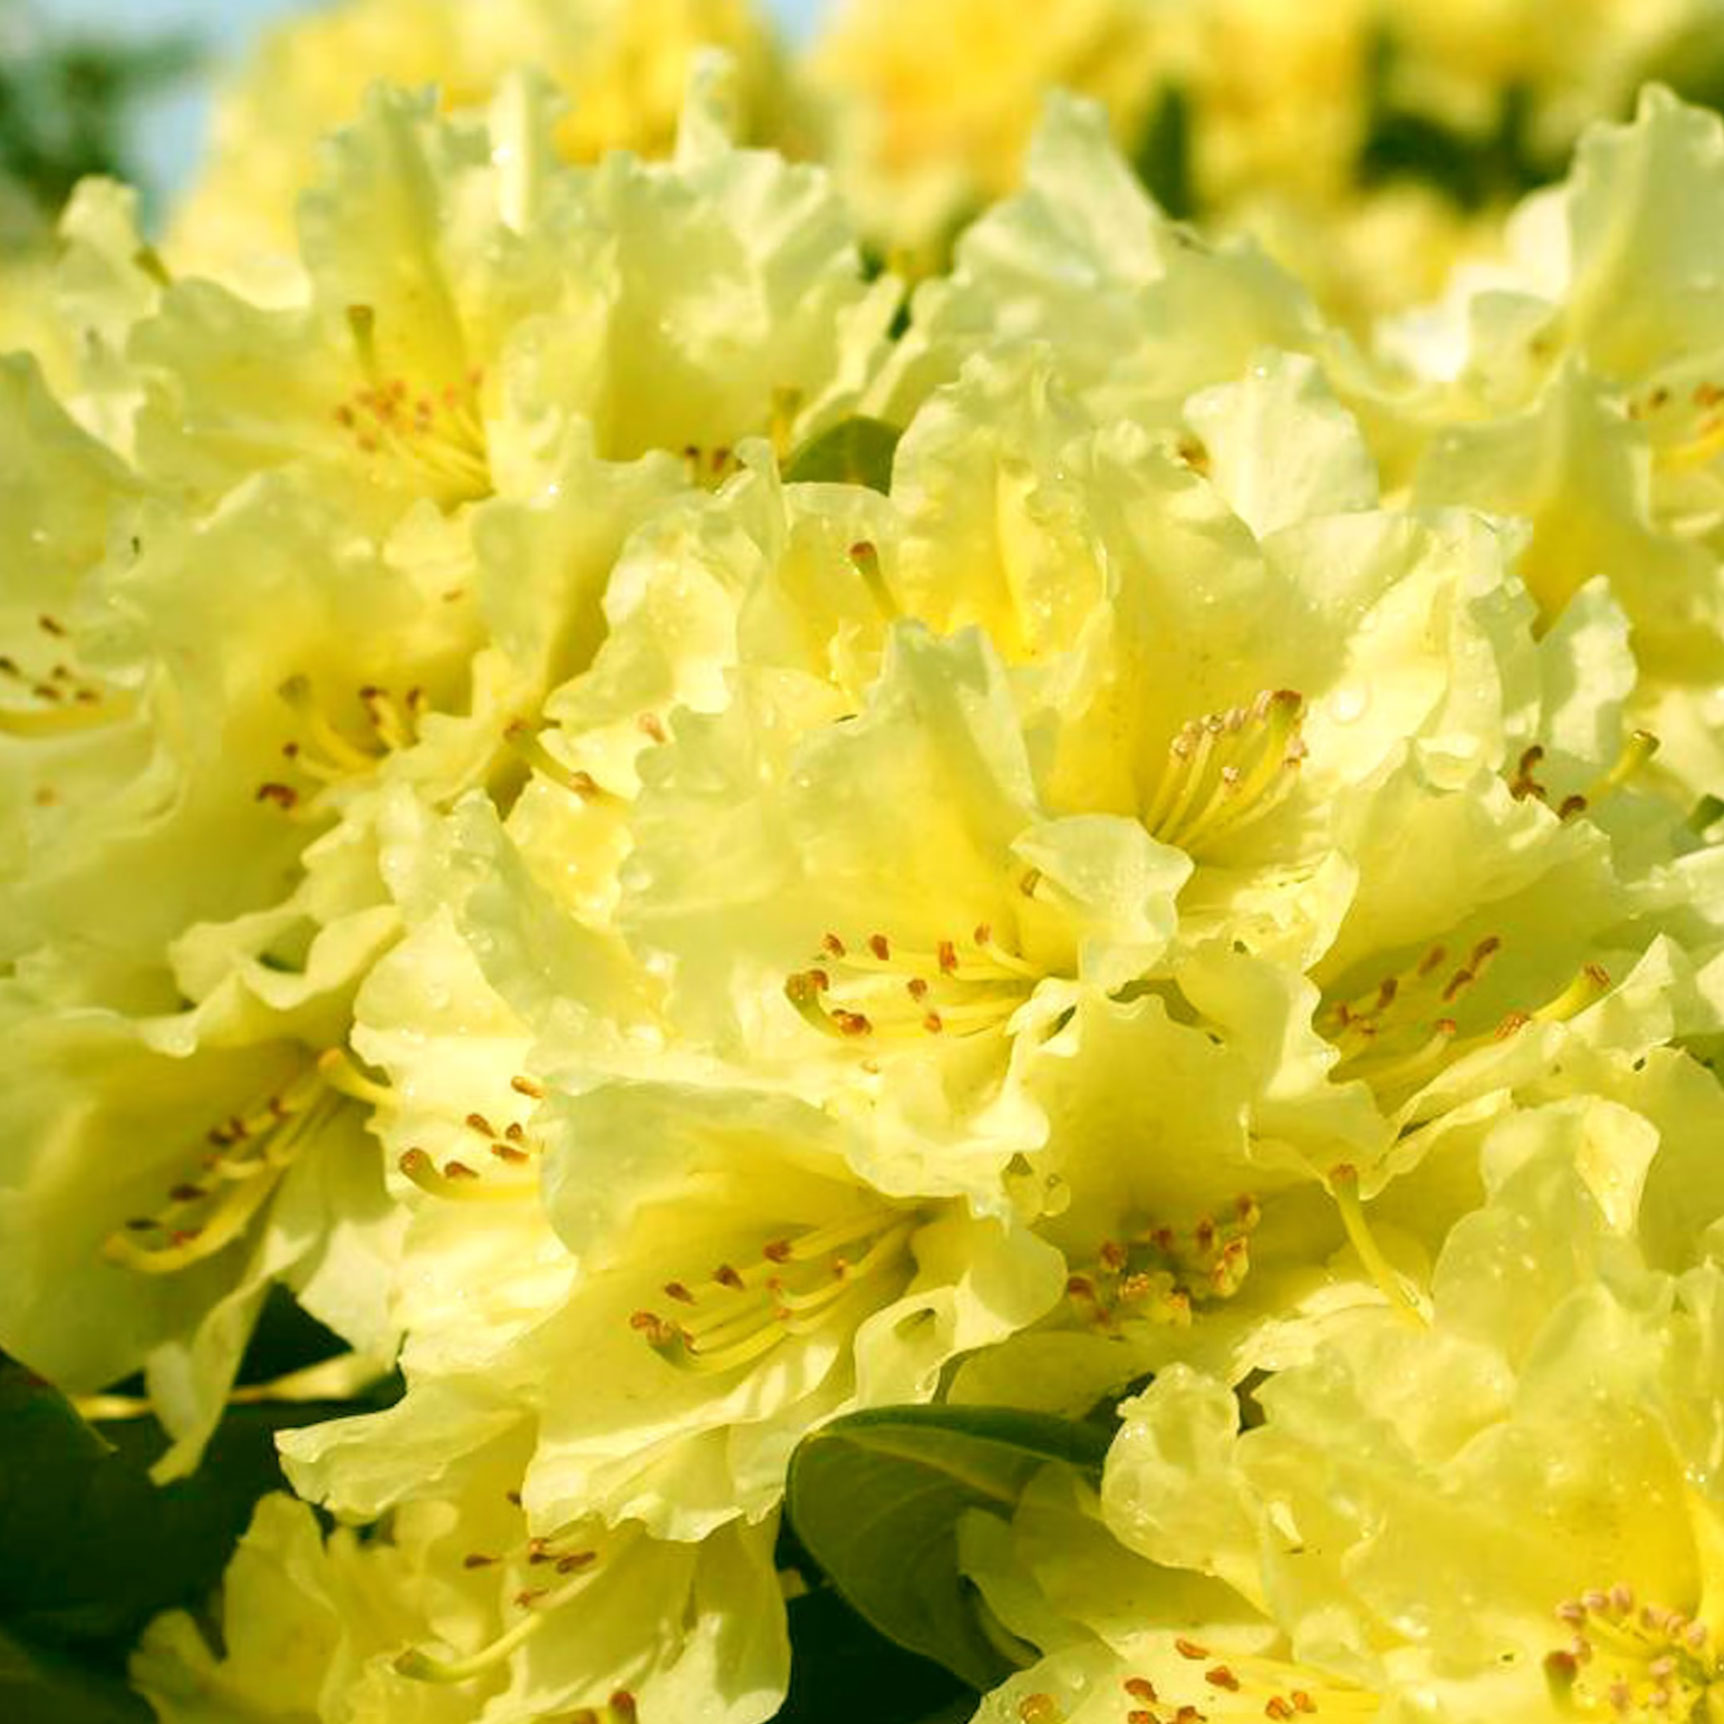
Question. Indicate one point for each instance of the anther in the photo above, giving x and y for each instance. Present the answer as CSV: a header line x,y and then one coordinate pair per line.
x,y
865,560
521,737
457,1180
1523,784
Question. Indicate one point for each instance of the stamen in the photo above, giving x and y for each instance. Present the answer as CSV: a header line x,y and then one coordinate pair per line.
x,y
1636,753
340,1073
1640,1665
704,466
459,1183
85,711
345,756
1387,1041
1523,784
1587,989
68,700
1190,1688
424,1668
389,717
247,1159
781,425
1344,1188
789,1291
325,754
525,742
883,990
1159,1275
865,560
1226,770
1706,442
437,433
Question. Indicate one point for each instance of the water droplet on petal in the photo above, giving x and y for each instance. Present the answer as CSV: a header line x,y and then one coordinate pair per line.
x,y
1347,704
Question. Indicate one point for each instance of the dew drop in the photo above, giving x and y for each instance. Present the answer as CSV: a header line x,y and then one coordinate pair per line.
x,y
1347,704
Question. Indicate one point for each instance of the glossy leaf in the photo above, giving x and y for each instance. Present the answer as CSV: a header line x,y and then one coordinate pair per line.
x,y
842,1671
90,1548
39,1688
855,451
876,1499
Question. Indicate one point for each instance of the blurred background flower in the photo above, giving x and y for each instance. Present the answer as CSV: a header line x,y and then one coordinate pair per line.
x,y
1368,144
128,87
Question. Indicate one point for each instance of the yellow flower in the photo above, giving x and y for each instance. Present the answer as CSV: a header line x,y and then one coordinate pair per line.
x,y
1578,388
672,1375
472,304
624,64
1278,95
1458,62
462,1607
1523,1517
163,1171
933,104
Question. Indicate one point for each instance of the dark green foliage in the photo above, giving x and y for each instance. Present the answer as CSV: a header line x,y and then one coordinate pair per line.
x,y
876,1498
856,451
64,105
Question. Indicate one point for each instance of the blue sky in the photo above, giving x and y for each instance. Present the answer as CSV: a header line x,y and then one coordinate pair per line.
x,y
171,133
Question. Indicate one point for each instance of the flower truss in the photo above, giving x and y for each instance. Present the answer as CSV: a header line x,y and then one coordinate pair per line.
x,y
718,860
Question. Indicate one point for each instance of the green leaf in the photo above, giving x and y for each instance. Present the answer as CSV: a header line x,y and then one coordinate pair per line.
x,y
1163,156
90,1548
876,1499
856,451
844,1672
38,1688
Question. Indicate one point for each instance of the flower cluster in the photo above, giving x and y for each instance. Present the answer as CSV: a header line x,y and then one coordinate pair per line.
x,y
1182,883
